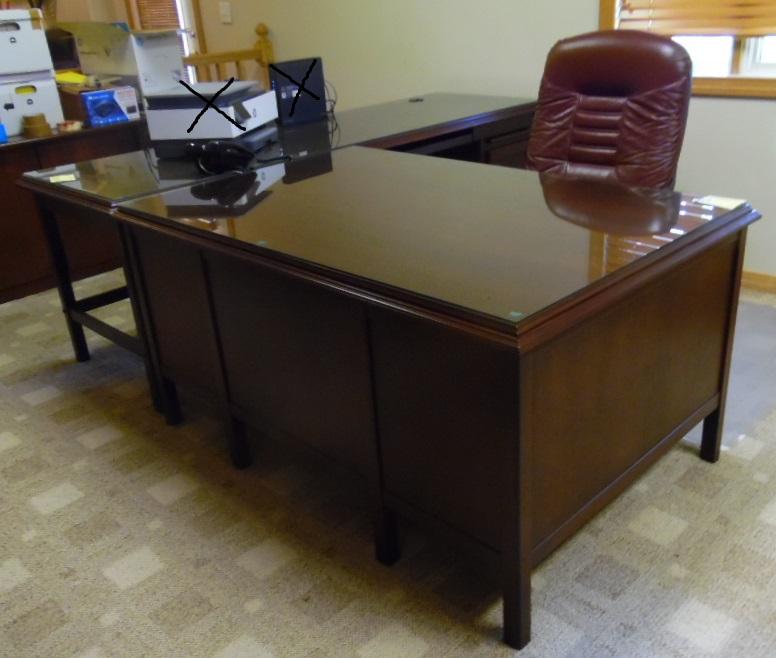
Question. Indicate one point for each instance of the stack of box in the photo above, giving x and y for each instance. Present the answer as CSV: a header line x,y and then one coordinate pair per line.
x,y
27,84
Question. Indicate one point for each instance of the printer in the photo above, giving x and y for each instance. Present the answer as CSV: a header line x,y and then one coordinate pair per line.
x,y
171,112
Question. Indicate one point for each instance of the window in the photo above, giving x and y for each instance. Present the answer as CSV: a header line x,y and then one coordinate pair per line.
x,y
158,14
168,15
732,43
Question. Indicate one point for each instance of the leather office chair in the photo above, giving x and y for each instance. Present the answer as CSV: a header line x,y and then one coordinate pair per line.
x,y
612,105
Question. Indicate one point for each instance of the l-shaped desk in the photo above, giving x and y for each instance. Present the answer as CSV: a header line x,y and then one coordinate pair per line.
x,y
436,325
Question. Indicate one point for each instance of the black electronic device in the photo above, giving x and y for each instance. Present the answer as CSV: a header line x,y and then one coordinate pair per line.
x,y
308,149
184,148
218,157
300,90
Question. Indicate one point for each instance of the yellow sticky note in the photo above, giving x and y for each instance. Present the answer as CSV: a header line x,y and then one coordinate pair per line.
x,y
720,201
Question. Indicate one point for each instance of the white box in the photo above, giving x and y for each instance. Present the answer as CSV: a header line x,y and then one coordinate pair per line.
x,y
24,97
23,45
171,112
109,50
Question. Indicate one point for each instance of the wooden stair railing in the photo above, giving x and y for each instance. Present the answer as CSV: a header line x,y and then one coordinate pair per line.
x,y
212,67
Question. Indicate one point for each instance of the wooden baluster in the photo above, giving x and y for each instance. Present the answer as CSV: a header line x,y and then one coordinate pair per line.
x,y
266,50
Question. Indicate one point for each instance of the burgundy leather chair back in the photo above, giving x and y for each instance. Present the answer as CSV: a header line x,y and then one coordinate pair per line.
x,y
613,105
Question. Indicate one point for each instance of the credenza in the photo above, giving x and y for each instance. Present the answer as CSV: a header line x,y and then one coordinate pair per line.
x,y
25,265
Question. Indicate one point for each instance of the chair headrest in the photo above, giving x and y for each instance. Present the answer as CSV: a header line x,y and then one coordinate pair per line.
x,y
616,63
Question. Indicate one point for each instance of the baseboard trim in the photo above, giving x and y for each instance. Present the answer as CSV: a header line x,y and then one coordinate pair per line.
x,y
758,281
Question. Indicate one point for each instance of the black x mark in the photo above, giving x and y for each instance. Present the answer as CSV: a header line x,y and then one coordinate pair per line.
x,y
301,86
209,104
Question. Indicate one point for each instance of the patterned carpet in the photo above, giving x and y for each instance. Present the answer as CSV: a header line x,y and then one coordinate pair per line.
x,y
120,536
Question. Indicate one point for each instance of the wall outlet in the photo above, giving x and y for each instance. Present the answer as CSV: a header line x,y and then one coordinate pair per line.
x,y
225,12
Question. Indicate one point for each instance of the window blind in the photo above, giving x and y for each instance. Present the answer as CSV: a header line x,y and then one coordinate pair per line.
x,y
703,17
158,14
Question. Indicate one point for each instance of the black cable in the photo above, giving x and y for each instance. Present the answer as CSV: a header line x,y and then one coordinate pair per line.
x,y
330,97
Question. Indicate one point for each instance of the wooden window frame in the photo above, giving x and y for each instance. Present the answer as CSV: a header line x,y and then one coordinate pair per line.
x,y
731,86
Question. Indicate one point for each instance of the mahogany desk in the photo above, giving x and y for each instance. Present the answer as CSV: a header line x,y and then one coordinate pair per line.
x,y
438,326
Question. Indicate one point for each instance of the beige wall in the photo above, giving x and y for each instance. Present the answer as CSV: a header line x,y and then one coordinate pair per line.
x,y
375,51
730,149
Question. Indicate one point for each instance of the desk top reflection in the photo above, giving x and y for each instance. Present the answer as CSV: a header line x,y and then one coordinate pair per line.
x,y
489,241
114,179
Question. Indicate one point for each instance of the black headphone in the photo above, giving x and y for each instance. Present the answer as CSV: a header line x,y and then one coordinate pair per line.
x,y
218,157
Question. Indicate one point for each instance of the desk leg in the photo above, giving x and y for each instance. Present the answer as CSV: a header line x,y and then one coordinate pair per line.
x,y
386,526
64,281
239,448
711,440
517,604
516,554
387,545
152,374
163,390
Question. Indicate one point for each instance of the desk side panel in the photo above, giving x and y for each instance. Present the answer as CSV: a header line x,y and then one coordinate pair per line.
x,y
447,413
604,394
175,288
296,359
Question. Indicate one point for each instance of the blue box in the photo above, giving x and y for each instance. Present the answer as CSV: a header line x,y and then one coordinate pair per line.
x,y
105,107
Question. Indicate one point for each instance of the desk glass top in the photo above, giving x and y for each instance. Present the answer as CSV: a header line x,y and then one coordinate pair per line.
x,y
118,178
499,242
366,124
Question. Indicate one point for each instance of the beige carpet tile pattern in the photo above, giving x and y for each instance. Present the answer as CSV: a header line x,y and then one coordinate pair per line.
x,y
121,536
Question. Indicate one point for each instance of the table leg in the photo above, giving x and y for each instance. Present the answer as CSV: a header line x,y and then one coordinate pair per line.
x,y
516,568
711,440
64,281
153,377
387,545
517,601
163,391
516,554
239,449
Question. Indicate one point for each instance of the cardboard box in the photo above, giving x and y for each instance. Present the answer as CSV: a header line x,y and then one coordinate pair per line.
x,y
25,97
23,47
154,58
108,106
72,103
99,106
